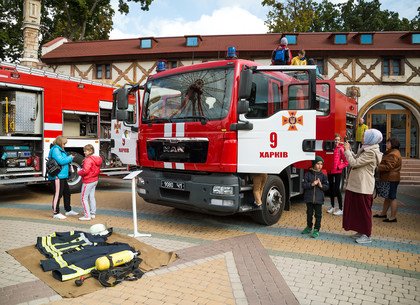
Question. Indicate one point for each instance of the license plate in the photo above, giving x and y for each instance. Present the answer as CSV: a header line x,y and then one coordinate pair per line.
x,y
172,185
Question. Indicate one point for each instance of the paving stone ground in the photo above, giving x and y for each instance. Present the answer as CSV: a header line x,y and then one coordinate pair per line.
x,y
226,260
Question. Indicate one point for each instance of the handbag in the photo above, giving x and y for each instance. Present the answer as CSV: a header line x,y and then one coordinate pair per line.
x,y
382,188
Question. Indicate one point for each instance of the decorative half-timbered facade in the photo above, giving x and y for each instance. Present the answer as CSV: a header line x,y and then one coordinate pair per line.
x,y
380,69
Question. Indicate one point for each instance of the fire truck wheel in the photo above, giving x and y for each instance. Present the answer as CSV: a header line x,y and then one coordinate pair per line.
x,y
274,199
75,181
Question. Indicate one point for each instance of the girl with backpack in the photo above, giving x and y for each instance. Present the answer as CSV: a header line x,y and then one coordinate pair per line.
x,y
281,55
59,182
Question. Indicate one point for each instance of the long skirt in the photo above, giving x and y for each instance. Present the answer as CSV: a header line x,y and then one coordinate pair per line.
x,y
357,213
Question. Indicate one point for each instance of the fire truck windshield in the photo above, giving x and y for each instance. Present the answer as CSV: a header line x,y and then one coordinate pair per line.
x,y
193,96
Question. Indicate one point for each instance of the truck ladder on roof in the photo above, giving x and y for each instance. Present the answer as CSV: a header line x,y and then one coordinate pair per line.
x,y
39,72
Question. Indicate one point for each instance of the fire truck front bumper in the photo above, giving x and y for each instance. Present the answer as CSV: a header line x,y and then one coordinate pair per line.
x,y
211,193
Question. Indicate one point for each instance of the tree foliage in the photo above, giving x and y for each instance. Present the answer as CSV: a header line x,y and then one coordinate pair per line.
x,y
73,19
353,15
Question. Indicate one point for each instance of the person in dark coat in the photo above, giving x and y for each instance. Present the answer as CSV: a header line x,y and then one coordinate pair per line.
x,y
315,183
389,171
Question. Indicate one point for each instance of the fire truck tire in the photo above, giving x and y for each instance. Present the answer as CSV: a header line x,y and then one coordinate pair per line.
x,y
75,181
274,199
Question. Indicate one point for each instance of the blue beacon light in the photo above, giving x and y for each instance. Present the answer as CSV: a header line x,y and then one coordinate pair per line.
x,y
161,66
231,53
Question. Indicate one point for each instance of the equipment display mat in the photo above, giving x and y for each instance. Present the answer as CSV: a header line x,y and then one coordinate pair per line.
x,y
30,258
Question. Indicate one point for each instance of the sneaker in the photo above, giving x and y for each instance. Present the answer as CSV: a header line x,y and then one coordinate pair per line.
x,y
59,216
307,230
338,212
315,233
71,213
364,239
356,236
92,216
330,210
84,218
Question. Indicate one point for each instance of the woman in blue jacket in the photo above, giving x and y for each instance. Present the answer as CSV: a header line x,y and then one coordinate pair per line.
x,y
60,185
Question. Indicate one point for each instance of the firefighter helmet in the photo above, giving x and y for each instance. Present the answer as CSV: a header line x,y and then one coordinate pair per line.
x,y
99,229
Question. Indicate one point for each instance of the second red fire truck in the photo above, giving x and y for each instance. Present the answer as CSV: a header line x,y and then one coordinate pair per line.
x,y
201,131
37,106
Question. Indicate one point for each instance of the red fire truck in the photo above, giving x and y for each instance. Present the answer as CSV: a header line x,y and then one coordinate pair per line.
x,y
35,107
203,130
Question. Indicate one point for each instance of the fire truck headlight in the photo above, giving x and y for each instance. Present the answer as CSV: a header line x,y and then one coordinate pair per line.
x,y
222,190
220,202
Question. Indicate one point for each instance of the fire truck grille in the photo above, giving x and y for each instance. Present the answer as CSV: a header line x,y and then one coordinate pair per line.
x,y
176,176
177,151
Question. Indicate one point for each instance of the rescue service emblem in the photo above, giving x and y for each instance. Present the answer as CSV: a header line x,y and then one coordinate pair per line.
x,y
292,120
117,126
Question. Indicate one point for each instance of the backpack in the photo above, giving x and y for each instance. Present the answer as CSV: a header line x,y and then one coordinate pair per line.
x,y
280,55
52,167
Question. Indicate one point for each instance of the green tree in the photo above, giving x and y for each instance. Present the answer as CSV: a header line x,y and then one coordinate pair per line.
x,y
11,38
353,15
290,16
73,19
327,17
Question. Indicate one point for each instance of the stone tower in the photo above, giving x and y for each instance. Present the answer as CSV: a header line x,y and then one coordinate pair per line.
x,y
31,25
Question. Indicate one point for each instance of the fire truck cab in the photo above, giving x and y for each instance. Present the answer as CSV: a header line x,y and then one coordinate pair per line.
x,y
37,106
202,131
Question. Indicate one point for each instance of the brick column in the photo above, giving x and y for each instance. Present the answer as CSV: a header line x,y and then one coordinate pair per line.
x,y
31,25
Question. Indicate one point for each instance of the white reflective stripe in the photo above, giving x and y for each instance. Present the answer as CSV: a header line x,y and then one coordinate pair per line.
x,y
168,130
179,166
79,112
318,145
105,105
180,130
53,126
167,164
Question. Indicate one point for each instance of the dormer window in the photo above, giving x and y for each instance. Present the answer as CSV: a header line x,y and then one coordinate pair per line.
x,y
366,39
415,38
291,39
340,39
192,41
147,42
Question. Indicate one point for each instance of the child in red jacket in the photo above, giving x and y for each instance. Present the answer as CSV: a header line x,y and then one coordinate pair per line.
x,y
90,175
335,176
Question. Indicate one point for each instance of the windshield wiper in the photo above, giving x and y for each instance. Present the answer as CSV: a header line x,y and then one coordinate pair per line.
x,y
200,118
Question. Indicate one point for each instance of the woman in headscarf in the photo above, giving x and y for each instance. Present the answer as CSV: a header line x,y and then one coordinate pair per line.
x,y
357,214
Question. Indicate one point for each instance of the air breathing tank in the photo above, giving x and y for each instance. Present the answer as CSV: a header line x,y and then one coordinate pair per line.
x,y
114,260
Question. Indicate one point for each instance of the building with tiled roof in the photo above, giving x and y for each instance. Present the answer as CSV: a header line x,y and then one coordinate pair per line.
x,y
381,69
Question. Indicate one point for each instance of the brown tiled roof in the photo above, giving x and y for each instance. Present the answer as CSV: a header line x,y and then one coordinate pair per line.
x,y
249,45
51,42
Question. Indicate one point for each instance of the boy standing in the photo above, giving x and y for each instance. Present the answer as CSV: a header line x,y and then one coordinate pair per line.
x,y
90,175
315,184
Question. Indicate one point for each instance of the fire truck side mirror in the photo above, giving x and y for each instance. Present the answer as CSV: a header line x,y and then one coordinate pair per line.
x,y
243,107
122,115
121,97
245,84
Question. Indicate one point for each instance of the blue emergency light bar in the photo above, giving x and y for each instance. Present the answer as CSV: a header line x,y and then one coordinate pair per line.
x,y
161,66
231,53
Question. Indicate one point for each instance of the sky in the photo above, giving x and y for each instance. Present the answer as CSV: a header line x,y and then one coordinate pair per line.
x,y
167,18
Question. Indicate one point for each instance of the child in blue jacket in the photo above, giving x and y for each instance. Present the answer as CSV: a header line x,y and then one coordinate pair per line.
x,y
60,185
315,183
